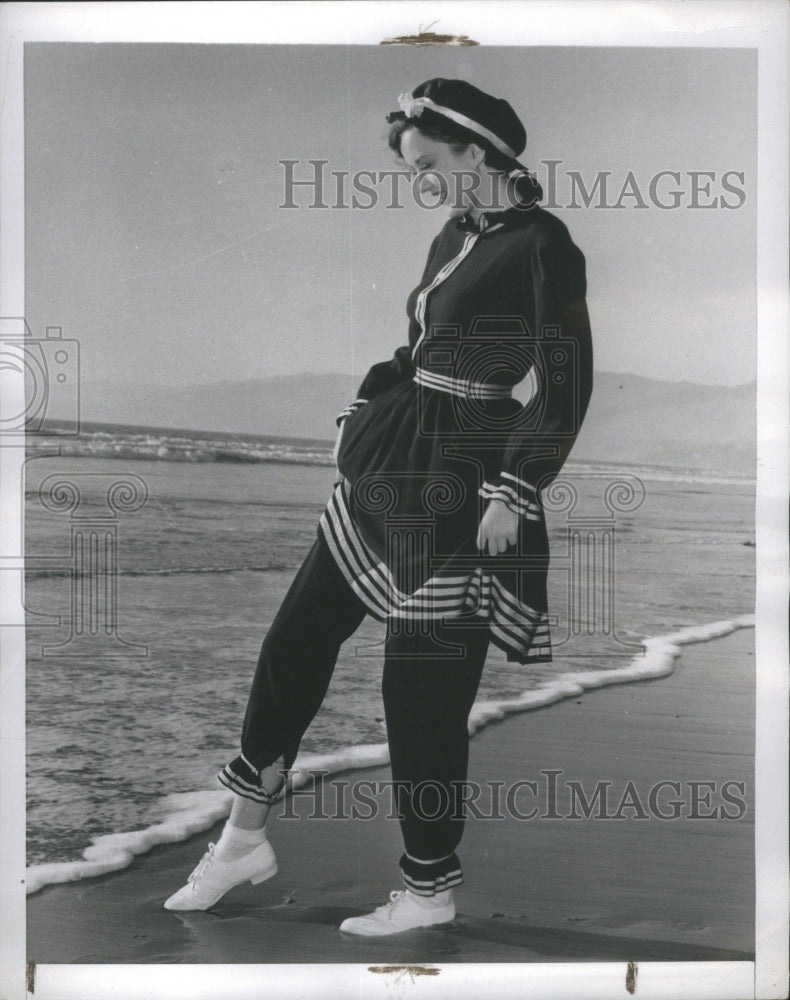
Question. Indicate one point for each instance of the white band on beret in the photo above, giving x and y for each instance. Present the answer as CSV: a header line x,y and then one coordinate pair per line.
x,y
414,105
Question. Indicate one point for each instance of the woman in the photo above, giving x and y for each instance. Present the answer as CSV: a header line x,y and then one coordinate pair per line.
x,y
436,525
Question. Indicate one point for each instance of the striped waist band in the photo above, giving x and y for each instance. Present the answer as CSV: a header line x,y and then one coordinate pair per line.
x,y
461,386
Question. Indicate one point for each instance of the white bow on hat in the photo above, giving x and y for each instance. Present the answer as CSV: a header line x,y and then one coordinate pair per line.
x,y
412,106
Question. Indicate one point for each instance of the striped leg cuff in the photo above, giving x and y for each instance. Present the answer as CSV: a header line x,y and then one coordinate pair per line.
x,y
425,878
243,779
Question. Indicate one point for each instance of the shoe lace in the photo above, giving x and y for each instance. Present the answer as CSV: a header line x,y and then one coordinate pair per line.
x,y
203,864
389,908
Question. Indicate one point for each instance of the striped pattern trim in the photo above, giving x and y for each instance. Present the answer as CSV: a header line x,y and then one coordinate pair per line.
x,y
512,500
461,386
371,579
486,226
432,861
255,770
431,886
441,275
520,482
428,877
515,627
241,785
482,223
521,631
351,408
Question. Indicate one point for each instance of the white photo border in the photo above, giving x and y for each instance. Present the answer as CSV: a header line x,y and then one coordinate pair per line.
x,y
696,23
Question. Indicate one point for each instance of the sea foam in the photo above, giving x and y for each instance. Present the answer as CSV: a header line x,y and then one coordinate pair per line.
x,y
188,813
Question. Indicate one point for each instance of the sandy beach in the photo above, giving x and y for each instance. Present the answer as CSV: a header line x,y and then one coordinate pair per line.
x,y
621,884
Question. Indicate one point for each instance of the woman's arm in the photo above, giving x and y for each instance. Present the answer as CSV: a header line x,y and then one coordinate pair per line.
x,y
381,376
498,528
560,346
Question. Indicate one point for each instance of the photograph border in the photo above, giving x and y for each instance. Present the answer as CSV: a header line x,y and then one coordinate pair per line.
x,y
696,23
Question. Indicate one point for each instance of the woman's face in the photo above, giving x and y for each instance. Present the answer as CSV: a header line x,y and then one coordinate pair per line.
x,y
445,177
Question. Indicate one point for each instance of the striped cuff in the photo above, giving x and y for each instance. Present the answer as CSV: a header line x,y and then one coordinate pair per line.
x,y
351,408
426,878
516,494
245,780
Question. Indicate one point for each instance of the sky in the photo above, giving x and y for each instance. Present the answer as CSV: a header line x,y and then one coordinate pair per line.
x,y
155,236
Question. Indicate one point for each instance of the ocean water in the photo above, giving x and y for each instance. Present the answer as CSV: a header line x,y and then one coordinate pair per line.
x,y
129,717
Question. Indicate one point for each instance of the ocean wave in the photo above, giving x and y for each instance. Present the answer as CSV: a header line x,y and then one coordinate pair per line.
x,y
163,447
657,473
188,813
175,445
167,571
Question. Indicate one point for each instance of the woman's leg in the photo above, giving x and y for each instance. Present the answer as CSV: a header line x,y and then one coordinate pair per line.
x,y
294,668
428,696
247,814
295,665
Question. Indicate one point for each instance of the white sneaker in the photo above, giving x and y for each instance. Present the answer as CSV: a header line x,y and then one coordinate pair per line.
x,y
212,878
403,913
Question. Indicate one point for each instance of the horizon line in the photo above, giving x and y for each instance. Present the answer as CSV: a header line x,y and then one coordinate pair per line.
x,y
352,376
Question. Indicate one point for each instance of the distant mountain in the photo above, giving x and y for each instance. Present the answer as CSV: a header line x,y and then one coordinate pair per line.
x,y
635,419
631,419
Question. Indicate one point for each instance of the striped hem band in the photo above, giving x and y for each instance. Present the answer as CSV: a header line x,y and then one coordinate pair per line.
x,y
428,877
521,482
437,885
520,630
244,780
518,504
461,386
433,861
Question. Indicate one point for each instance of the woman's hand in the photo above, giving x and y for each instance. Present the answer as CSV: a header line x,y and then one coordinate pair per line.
x,y
498,528
336,449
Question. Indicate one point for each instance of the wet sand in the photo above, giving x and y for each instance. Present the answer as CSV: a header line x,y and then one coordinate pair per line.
x,y
621,884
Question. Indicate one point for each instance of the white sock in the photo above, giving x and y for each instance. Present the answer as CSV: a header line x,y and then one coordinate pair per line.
x,y
441,898
235,842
